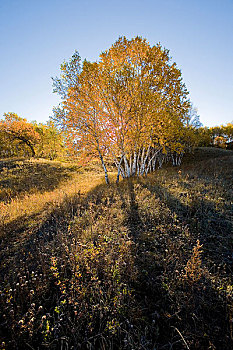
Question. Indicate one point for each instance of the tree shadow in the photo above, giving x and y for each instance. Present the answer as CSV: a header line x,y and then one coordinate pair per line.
x,y
130,205
27,232
205,223
170,302
26,177
171,309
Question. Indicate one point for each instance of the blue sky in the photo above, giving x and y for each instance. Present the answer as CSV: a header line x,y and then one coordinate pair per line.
x,y
37,36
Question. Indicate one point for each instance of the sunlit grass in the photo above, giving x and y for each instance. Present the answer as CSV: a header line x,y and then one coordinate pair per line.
x,y
25,200
121,266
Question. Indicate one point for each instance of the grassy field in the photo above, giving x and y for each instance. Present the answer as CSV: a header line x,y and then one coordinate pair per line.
x,y
146,264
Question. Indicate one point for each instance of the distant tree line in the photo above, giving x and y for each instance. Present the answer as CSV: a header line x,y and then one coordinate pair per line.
x,y
18,137
218,136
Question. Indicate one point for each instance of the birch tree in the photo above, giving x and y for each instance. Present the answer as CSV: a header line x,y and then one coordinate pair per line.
x,y
81,113
130,104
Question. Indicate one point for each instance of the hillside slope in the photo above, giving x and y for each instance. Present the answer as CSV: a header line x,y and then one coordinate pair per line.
x,y
146,264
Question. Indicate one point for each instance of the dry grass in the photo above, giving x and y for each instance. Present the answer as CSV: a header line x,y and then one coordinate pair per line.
x,y
31,189
143,265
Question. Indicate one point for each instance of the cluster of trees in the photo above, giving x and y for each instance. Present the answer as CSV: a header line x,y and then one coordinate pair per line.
x,y
18,137
130,107
219,136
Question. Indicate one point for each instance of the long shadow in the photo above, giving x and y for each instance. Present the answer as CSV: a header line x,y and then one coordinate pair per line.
x,y
28,231
27,256
205,223
133,220
20,177
165,305
199,309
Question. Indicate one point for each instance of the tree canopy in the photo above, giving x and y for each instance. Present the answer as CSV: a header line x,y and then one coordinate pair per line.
x,y
220,136
18,137
17,128
131,105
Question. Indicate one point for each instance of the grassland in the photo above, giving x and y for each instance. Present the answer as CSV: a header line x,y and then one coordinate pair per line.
x,y
146,264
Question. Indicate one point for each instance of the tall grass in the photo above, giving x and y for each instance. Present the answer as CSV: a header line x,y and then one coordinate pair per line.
x,y
146,264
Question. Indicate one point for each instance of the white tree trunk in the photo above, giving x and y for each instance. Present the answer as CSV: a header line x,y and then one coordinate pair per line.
x,y
104,167
127,169
134,163
119,170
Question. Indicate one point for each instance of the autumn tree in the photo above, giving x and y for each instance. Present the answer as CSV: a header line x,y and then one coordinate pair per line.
x,y
8,147
228,131
18,129
131,105
81,114
52,141
222,135
219,136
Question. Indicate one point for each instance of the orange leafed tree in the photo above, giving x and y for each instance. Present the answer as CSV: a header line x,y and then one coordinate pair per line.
x,y
131,105
19,129
82,115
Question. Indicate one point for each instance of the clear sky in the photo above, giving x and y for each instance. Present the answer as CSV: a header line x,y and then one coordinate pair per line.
x,y
36,36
